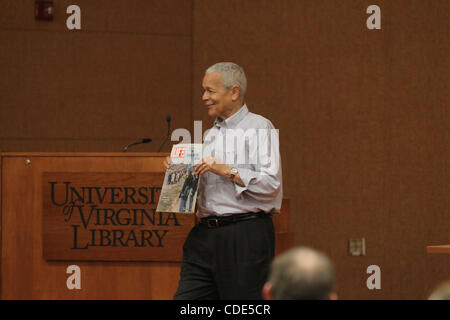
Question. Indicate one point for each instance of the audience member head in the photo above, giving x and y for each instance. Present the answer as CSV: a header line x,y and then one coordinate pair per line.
x,y
301,274
442,292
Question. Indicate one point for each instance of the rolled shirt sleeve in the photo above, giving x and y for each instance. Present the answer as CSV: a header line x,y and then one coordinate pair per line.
x,y
262,177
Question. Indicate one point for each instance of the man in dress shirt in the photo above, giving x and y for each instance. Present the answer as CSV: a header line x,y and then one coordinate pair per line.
x,y
227,255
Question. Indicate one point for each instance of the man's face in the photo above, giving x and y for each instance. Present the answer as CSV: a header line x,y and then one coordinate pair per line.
x,y
216,98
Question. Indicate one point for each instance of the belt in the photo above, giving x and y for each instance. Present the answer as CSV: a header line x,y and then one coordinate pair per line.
x,y
220,221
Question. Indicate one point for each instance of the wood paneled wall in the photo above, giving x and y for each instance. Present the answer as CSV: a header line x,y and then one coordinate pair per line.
x,y
97,89
363,114
363,118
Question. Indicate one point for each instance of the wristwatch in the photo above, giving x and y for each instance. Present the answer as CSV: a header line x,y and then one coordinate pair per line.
x,y
233,172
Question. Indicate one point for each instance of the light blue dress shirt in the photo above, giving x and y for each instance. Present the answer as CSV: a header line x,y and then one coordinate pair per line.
x,y
250,143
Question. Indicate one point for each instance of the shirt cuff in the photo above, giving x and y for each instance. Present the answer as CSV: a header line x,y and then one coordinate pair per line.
x,y
246,176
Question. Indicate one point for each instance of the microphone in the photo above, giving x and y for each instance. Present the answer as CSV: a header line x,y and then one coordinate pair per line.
x,y
145,140
168,118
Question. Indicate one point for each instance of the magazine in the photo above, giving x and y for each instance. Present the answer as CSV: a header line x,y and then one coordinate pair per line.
x,y
179,190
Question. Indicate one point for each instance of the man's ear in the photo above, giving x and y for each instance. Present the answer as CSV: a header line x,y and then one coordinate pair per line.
x,y
235,92
267,291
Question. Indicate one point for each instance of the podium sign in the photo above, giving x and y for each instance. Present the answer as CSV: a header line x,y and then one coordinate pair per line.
x,y
109,217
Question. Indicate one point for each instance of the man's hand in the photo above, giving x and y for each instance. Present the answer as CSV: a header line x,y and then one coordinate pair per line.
x,y
212,165
208,164
167,162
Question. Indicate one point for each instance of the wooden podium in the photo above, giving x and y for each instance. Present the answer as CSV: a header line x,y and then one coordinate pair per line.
x,y
95,211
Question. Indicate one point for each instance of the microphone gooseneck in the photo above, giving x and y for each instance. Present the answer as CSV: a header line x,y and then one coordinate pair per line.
x,y
168,119
145,140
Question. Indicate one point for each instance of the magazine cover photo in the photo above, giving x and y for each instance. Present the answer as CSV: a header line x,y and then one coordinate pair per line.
x,y
179,191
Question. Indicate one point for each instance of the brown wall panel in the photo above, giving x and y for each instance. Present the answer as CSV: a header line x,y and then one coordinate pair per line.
x,y
363,129
81,85
131,16
81,145
96,89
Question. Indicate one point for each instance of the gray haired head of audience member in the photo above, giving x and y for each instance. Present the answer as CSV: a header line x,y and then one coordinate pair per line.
x,y
232,75
301,274
442,292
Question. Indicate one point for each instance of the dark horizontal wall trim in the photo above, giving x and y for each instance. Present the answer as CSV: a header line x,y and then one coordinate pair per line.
x,y
187,35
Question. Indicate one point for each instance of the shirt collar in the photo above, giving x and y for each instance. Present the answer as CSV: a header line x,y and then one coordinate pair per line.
x,y
232,121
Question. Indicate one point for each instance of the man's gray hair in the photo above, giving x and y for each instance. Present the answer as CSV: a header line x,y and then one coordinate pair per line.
x,y
232,75
302,274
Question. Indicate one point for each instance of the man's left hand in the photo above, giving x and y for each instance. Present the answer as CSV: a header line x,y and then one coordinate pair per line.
x,y
208,164
212,165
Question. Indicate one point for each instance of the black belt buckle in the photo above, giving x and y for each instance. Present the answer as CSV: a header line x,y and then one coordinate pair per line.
x,y
213,223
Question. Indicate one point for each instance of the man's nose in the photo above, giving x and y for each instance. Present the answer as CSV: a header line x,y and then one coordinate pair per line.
x,y
205,96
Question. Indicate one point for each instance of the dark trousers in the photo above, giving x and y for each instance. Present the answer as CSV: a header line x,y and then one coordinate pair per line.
x,y
228,262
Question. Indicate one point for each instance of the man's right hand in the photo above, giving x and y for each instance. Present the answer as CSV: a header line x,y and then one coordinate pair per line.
x,y
167,162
